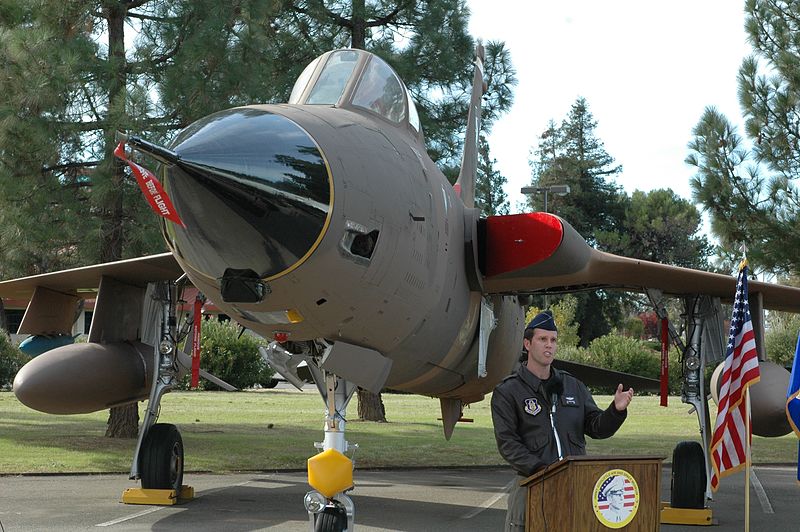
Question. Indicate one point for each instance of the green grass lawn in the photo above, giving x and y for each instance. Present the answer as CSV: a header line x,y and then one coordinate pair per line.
x,y
275,429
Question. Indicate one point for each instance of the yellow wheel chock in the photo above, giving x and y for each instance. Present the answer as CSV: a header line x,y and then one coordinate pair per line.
x,y
157,497
685,516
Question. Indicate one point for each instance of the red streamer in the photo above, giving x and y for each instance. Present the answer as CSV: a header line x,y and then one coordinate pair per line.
x,y
198,307
151,187
664,361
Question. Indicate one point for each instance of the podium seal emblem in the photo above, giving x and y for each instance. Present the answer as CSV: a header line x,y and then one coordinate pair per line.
x,y
615,498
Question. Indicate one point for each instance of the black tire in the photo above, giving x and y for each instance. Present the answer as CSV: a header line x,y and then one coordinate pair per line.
x,y
161,458
270,383
688,486
331,519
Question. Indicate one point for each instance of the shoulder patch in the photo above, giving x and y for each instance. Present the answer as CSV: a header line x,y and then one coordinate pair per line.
x,y
532,406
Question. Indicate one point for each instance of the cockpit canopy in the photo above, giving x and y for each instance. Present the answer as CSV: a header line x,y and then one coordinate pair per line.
x,y
355,78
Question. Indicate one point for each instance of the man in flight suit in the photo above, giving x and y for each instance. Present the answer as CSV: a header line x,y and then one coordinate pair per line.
x,y
540,414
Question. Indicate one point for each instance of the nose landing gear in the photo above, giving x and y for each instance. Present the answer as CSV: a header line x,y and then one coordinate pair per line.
x,y
330,472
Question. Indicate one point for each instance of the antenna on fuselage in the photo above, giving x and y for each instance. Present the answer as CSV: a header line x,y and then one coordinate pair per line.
x,y
465,184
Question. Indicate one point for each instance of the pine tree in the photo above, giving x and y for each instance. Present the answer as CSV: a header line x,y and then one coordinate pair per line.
x,y
490,197
747,185
68,82
571,154
660,226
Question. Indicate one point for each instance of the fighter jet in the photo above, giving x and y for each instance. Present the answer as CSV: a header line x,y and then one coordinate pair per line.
x,y
323,225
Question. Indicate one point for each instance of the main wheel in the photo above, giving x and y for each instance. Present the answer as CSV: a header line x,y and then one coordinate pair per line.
x,y
688,484
161,458
331,519
270,383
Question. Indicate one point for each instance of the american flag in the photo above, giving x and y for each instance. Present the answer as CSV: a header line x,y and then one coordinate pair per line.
x,y
628,494
728,445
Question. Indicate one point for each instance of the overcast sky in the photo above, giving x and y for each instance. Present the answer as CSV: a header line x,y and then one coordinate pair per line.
x,y
646,69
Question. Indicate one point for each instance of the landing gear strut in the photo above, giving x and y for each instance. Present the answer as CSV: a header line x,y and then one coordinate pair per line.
x,y
330,472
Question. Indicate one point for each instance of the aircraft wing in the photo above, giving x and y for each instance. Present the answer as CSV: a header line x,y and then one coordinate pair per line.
x,y
138,271
540,252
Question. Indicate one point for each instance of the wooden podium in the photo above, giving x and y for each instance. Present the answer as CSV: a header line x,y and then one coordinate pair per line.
x,y
595,493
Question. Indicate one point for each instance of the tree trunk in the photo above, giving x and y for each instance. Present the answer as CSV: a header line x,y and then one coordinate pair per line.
x,y
3,319
370,406
123,421
358,36
112,206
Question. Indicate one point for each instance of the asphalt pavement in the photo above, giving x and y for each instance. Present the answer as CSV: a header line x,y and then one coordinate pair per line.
x,y
404,500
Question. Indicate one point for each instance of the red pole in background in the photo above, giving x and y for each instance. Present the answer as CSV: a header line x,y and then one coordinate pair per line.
x,y
664,361
198,309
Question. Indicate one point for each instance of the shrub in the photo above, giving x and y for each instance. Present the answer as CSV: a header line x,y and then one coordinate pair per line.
x,y
629,355
11,360
625,354
230,356
780,340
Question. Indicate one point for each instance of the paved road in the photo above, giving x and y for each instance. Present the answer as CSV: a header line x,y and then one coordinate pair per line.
x,y
418,500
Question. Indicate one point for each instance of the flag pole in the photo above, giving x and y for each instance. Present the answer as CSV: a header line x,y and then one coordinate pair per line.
x,y
747,462
747,436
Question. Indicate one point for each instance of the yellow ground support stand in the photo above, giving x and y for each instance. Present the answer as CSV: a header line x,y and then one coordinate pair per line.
x,y
685,516
157,497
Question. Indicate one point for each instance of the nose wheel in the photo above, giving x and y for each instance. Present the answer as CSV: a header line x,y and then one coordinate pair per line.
x,y
331,519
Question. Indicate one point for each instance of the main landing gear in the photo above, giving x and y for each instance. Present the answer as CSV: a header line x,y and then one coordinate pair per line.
x,y
691,466
158,459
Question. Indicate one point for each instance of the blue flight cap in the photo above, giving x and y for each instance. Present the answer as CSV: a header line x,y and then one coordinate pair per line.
x,y
543,320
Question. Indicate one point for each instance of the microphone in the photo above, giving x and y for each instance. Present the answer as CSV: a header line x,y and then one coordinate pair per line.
x,y
554,387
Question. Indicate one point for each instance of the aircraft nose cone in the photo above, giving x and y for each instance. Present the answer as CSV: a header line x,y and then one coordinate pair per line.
x,y
253,190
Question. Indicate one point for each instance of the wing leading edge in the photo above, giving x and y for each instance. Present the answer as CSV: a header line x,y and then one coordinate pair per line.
x,y
138,272
533,252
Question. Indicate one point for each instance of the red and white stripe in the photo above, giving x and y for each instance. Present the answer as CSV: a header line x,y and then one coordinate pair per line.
x,y
728,445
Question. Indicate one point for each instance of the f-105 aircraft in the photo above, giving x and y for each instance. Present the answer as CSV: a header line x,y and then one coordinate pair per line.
x,y
323,225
